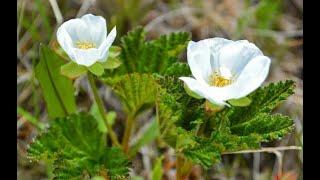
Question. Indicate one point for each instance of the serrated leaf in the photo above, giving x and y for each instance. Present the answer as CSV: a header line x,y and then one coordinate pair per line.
x,y
198,150
72,70
269,127
264,100
178,69
136,92
57,89
115,161
178,112
82,132
97,69
151,57
76,149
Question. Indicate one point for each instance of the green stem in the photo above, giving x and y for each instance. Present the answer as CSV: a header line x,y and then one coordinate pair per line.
x,y
111,133
127,133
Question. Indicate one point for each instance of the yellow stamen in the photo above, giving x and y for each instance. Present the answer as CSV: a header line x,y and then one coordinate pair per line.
x,y
219,81
85,45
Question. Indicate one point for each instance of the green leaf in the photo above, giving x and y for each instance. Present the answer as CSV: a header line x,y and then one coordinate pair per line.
x,y
245,101
116,163
136,92
111,63
111,117
153,56
113,60
178,69
73,70
81,131
114,51
75,148
269,127
147,136
57,89
197,149
231,142
97,69
157,171
264,100
94,111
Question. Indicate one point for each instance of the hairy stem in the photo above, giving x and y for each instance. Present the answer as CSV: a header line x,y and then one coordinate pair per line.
x,y
111,133
127,133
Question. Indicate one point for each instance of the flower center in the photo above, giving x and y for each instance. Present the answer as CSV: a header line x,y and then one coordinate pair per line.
x,y
85,45
219,81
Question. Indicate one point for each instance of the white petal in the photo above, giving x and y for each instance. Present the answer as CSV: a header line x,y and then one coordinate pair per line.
x,y
215,44
237,54
86,57
203,91
77,30
199,61
97,28
104,48
65,42
252,76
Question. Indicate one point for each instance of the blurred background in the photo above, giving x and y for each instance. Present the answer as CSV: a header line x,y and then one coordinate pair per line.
x,y
275,26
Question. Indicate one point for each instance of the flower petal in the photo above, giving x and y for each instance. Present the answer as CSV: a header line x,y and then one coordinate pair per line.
x,y
77,30
199,61
203,91
97,28
104,47
65,42
236,55
215,44
86,57
252,76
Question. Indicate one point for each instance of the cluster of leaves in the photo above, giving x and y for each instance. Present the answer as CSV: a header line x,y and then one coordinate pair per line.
x,y
148,78
75,148
183,121
232,129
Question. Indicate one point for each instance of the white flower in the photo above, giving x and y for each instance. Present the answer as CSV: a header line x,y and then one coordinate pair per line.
x,y
225,69
85,39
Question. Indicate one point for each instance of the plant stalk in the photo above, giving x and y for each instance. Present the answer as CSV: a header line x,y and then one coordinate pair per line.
x,y
127,133
98,100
